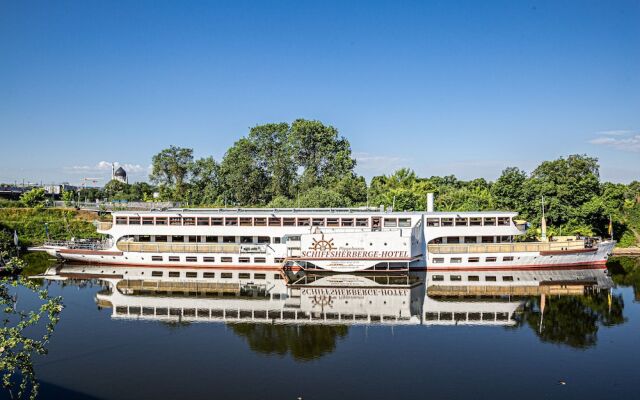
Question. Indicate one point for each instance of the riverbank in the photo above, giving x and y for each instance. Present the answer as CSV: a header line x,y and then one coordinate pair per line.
x,y
33,225
627,251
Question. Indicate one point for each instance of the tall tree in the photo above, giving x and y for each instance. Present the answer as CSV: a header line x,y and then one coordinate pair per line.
x,y
508,189
170,169
206,185
274,155
245,182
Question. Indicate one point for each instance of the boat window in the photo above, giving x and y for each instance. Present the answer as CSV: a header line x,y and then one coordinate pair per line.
x,y
194,239
134,220
475,221
244,275
192,259
191,274
121,220
277,240
455,278
260,221
264,239
277,276
303,222
226,260
144,238
490,259
504,239
490,278
208,275
504,221
487,239
147,221
390,222
174,258
433,221
438,278
246,221
244,260
260,260
473,278
211,239
489,221
161,239
470,239
294,238
175,221
318,222
231,221
156,258
216,221
346,221
228,239
275,221
161,220
333,222
456,260
462,222
259,276
507,258
453,239
188,221
156,273
474,259
208,259
438,260
447,221
507,278
288,221
174,274
362,221
179,239
404,222
246,239
278,260
203,221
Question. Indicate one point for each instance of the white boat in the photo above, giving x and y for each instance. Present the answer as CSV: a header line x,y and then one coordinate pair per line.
x,y
339,240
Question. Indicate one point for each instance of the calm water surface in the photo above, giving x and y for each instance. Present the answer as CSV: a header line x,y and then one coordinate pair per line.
x,y
444,346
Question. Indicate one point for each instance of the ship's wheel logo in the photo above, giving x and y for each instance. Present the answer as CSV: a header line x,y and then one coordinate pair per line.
x,y
322,301
322,244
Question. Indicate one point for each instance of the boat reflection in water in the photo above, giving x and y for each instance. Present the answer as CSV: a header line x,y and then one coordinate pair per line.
x,y
283,297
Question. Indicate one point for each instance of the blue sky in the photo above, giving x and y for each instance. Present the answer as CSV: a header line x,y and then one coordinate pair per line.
x,y
443,87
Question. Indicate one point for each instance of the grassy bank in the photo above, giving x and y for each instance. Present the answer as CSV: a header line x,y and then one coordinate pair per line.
x,y
62,224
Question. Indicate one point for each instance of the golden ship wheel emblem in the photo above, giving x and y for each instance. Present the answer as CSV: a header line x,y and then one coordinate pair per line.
x,y
322,244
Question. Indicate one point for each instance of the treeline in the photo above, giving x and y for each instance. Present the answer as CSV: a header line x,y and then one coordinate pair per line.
x,y
308,164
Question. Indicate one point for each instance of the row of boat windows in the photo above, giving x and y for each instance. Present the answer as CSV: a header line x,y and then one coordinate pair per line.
x,y
265,221
472,278
463,316
473,221
458,260
209,259
210,239
209,275
471,239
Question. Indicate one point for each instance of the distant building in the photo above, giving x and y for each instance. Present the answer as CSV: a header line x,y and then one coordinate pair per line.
x,y
119,174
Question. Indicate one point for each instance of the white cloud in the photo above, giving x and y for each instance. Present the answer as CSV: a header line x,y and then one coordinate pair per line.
x,y
620,140
106,166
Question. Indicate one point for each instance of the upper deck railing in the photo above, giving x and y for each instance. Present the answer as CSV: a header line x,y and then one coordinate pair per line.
x,y
505,247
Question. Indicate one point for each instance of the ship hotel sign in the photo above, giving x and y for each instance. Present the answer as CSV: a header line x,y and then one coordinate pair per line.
x,y
325,249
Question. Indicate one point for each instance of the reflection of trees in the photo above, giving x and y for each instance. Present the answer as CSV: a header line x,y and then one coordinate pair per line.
x,y
303,342
573,320
626,271
19,338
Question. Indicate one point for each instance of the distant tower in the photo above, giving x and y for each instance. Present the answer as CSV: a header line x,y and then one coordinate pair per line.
x,y
119,174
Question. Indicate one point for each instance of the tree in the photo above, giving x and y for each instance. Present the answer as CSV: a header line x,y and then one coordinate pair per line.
x,y
319,197
33,198
274,155
67,197
170,169
205,186
323,156
245,182
508,189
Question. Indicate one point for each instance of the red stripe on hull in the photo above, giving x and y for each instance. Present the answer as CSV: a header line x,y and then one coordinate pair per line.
x,y
195,265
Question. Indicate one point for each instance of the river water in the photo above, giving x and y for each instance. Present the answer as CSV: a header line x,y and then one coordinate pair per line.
x,y
527,335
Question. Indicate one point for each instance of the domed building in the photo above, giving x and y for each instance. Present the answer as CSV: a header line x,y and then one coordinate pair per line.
x,y
119,174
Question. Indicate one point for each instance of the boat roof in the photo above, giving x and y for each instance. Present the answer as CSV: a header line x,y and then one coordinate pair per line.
x,y
363,211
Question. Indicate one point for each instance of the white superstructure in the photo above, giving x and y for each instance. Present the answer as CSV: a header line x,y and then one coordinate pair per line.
x,y
341,240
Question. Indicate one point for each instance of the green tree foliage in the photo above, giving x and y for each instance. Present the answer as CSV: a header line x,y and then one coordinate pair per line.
x,y
245,180
508,189
205,186
170,170
33,198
